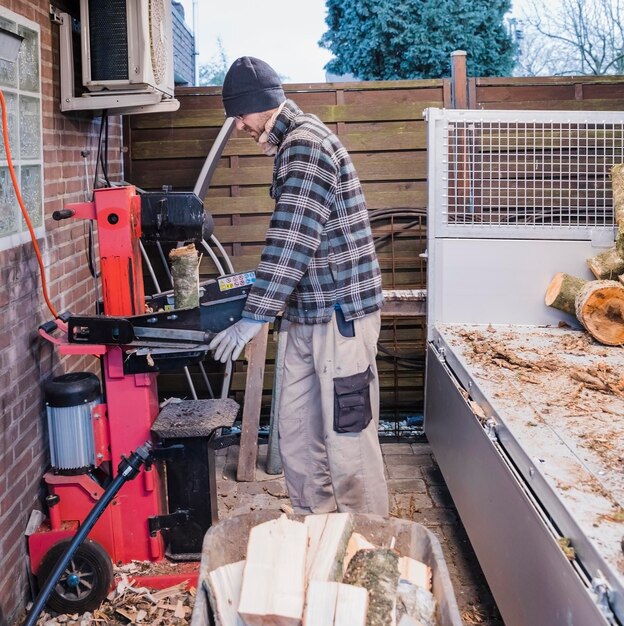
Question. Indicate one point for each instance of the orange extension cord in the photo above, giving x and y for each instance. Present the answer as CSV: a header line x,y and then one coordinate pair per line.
x,y
18,194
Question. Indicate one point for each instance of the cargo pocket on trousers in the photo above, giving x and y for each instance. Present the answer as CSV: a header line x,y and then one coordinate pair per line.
x,y
352,404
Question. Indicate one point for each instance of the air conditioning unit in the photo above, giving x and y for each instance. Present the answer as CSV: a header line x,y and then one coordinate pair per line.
x,y
127,45
126,56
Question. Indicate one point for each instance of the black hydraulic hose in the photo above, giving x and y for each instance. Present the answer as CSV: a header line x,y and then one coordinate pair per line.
x,y
128,469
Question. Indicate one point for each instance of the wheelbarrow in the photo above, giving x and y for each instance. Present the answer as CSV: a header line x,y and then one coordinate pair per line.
x,y
226,542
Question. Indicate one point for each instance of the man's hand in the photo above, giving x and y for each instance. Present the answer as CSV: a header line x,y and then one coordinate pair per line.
x,y
229,343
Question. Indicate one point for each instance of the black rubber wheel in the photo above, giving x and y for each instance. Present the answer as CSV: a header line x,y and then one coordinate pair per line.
x,y
85,582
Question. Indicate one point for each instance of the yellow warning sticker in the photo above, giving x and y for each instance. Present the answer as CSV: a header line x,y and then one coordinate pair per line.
x,y
237,280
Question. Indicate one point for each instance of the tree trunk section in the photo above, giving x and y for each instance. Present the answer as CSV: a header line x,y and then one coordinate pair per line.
x,y
617,184
185,274
562,291
607,265
600,308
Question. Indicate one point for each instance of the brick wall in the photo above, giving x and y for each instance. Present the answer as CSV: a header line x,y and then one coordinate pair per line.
x,y
25,360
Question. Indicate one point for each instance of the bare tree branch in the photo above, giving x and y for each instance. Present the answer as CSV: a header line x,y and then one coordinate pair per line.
x,y
579,36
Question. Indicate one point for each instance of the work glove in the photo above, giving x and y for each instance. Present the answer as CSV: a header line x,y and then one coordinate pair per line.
x,y
229,343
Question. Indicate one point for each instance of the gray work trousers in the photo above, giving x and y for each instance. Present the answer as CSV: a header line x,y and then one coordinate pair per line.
x,y
327,470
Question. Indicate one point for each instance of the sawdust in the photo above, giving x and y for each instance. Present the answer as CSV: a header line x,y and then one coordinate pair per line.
x,y
129,603
563,380
616,516
487,349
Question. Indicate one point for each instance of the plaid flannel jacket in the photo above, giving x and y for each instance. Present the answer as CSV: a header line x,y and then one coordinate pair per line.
x,y
319,248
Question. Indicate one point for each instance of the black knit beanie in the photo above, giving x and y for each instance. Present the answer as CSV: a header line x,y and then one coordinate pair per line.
x,y
251,86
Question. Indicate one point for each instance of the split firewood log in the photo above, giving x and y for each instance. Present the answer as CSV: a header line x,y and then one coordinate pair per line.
x,y
378,571
328,538
185,273
597,304
223,587
335,604
356,543
273,588
417,602
415,572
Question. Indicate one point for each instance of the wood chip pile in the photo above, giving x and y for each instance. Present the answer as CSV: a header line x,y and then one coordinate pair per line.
x,y
320,573
130,604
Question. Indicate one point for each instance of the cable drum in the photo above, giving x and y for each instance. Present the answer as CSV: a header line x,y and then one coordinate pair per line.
x,y
70,400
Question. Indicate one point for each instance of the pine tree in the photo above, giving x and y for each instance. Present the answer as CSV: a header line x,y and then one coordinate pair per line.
x,y
409,39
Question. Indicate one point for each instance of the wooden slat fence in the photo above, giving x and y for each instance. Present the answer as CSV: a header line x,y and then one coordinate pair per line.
x,y
382,126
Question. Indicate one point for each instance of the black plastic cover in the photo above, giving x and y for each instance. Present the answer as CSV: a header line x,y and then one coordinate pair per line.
x,y
72,389
174,216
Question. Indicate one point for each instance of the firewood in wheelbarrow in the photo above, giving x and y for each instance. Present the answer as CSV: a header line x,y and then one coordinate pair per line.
x,y
330,603
328,538
223,587
598,305
273,588
378,571
416,602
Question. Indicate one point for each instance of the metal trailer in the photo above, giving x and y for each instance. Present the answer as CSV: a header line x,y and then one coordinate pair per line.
x,y
532,457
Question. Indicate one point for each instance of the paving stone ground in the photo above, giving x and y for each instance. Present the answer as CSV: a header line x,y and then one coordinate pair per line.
x,y
418,493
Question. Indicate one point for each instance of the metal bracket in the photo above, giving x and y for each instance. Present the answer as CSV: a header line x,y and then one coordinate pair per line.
x,y
601,589
168,453
56,15
490,430
162,522
224,441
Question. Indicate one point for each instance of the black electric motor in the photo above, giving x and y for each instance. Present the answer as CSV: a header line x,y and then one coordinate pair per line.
x,y
70,400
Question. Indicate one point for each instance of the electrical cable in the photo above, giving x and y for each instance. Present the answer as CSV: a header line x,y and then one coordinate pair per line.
x,y
104,153
98,158
18,195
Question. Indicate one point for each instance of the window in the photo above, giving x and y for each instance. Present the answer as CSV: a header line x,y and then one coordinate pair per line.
x,y
21,85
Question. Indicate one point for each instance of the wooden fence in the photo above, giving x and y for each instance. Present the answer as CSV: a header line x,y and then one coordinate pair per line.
x,y
382,126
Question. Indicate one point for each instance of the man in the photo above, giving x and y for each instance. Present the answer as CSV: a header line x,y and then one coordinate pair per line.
x,y
319,268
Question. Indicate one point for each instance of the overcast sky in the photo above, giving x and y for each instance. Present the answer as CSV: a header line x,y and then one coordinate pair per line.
x,y
281,32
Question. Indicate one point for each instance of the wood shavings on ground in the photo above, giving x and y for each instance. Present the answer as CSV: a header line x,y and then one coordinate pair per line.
x,y
474,615
129,603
